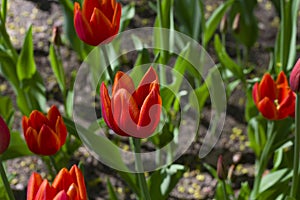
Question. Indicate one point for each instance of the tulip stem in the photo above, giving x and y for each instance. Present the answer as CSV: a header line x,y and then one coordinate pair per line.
x,y
52,160
296,149
263,160
109,69
5,182
136,144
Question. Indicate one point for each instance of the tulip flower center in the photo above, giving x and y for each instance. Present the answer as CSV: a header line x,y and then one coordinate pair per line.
x,y
276,104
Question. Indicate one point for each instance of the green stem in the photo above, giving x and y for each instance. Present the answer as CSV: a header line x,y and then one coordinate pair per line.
x,y
109,69
224,190
4,9
263,161
52,160
296,149
140,170
5,182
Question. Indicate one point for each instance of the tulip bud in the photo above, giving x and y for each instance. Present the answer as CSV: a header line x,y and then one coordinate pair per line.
x,y
295,77
223,24
56,36
221,171
4,136
236,23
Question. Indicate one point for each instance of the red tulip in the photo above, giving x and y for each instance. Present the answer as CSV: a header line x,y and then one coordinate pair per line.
x,y
275,100
295,77
4,136
67,185
44,135
131,112
97,21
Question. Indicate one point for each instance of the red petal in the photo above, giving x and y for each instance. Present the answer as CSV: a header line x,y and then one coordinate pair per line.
x,y
282,80
117,18
61,131
267,88
31,137
34,183
144,87
62,195
267,108
48,141
52,116
24,124
79,181
255,93
295,77
4,136
63,180
45,191
73,192
122,80
149,115
37,120
106,106
287,106
82,26
125,112
88,8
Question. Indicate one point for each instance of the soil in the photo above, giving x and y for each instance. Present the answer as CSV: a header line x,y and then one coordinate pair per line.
x,y
197,183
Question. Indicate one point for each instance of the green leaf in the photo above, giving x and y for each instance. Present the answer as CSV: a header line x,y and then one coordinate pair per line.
x,y
162,182
214,21
257,128
227,61
131,180
6,109
57,67
26,66
111,192
17,147
128,13
244,192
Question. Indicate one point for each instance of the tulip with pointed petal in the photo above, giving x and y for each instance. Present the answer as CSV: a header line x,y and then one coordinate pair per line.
x,y
67,185
275,100
131,112
97,21
44,135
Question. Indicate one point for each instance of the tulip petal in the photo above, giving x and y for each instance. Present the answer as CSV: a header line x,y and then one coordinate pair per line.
x,y
63,180
116,17
48,141
37,120
4,136
144,87
287,105
267,108
61,131
73,192
107,8
34,183
79,181
24,124
125,111
255,93
106,106
103,26
52,116
122,80
267,88
62,195
82,26
31,136
150,114
88,8
282,80
45,191
295,77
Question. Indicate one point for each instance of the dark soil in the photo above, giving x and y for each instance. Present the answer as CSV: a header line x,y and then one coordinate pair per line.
x,y
197,183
